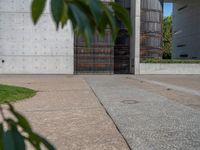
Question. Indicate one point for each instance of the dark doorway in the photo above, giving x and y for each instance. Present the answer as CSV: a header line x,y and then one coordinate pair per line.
x,y
122,53
122,45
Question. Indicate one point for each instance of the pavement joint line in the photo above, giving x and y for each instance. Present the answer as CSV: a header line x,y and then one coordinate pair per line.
x,y
129,147
169,86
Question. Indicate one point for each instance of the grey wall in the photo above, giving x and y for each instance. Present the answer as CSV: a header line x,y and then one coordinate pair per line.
x,y
186,29
169,68
29,49
135,38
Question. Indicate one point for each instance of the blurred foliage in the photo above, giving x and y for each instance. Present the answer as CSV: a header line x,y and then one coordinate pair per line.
x,y
87,16
167,37
14,93
15,132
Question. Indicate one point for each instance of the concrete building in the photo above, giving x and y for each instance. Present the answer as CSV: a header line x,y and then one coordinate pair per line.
x,y
40,49
29,49
186,29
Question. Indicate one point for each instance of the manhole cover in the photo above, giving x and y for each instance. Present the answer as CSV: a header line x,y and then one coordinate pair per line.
x,y
129,101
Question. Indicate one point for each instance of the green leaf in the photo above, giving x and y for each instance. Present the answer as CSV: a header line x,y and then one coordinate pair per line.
x,y
22,121
123,15
57,7
111,21
9,143
38,140
96,10
102,26
89,17
12,139
37,8
1,136
65,16
46,143
81,22
33,141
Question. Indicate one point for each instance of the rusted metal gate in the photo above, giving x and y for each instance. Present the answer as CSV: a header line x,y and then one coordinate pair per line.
x,y
104,57
98,59
151,28
122,45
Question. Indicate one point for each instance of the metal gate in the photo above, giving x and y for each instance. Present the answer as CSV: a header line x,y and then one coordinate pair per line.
x,y
104,57
98,59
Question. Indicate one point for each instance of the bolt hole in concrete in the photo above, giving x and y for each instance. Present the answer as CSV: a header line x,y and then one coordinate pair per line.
x,y
129,102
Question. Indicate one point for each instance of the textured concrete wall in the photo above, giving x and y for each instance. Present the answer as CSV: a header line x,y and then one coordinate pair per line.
x,y
29,49
135,38
186,29
169,68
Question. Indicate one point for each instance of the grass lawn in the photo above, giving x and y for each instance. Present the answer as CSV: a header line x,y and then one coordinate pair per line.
x,y
14,93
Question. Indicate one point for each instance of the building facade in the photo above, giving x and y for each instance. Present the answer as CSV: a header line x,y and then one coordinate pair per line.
x,y
186,29
29,49
40,49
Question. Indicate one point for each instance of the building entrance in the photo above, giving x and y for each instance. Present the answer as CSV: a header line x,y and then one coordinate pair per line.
x,y
104,57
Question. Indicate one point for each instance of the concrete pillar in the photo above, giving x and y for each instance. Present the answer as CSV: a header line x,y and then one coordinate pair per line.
x,y
135,38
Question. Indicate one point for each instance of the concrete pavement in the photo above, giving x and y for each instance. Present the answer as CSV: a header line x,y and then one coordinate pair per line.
x,y
66,111
150,117
82,112
183,89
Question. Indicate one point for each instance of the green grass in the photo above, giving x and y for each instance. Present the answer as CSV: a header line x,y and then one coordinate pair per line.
x,y
170,61
14,93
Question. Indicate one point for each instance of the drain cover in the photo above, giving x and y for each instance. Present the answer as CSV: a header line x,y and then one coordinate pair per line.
x,y
129,101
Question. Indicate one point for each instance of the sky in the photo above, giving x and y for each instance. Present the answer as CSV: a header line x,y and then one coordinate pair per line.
x,y
167,9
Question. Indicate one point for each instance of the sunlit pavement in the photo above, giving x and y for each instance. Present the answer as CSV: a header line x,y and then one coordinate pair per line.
x,y
107,112
66,111
153,112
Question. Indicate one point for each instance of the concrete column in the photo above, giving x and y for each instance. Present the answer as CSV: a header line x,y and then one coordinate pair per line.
x,y
135,38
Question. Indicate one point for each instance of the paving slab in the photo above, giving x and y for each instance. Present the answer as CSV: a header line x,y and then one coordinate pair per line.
x,y
148,119
187,81
183,89
67,112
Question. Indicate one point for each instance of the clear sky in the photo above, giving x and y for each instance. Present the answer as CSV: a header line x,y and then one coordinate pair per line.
x,y
167,9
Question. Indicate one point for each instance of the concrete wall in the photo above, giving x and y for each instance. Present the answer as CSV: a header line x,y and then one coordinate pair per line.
x,y
186,29
169,68
135,38
29,49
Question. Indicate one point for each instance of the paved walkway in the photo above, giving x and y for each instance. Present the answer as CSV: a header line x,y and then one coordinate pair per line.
x,y
150,116
68,113
183,89
150,112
